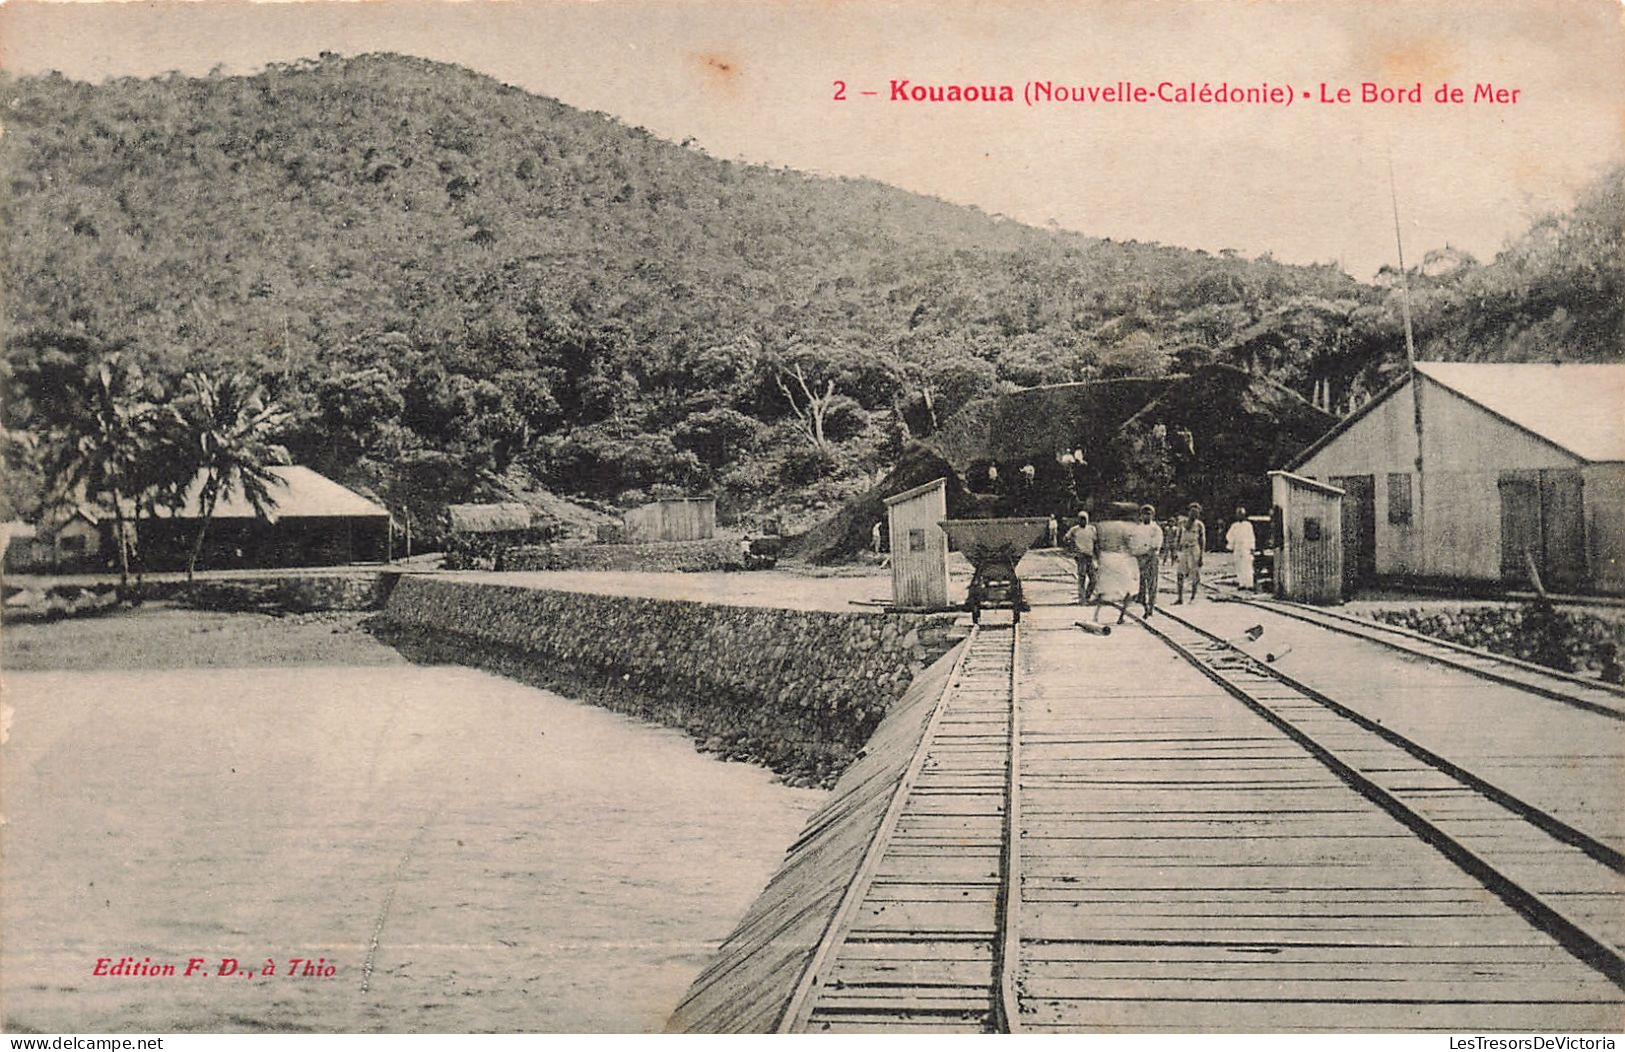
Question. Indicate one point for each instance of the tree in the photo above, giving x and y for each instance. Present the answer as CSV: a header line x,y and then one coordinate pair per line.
x,y
808,403
817,381
228,428
98,448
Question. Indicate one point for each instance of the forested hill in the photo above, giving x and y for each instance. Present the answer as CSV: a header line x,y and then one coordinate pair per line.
x,y
450,281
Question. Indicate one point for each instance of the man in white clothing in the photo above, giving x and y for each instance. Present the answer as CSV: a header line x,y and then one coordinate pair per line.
x,y
1239,538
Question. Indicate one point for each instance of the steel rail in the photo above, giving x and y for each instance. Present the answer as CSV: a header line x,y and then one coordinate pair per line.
x,y
1007,940
1547,822
1584,945
1383,634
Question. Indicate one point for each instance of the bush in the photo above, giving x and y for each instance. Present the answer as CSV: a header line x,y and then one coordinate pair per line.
x,y
718,436
844,419
595,460
801,465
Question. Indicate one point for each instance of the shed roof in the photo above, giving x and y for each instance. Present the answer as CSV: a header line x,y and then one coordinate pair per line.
x,y
488,518
300,493
920,490
1577,407
1321,487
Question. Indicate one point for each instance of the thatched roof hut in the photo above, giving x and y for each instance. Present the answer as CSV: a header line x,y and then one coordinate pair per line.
x,y
488,518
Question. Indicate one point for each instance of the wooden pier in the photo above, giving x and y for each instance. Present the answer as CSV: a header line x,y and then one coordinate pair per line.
x,y
1165,830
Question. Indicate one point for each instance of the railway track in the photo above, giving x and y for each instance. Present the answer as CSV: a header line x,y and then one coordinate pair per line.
x,y
1087,837
1564,881
923,938
1593,695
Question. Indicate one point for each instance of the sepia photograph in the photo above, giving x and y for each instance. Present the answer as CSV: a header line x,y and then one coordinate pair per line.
x,y
887,516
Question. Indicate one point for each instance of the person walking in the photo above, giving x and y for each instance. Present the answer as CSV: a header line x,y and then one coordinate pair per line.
x,y
1192,542
1176,538
1148,553
1080,544
1118,578
1239,538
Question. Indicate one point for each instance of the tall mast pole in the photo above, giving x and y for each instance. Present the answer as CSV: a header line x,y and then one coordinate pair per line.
x,y
1420,511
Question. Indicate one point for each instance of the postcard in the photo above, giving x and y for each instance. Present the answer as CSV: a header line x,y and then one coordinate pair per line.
x,y
651,516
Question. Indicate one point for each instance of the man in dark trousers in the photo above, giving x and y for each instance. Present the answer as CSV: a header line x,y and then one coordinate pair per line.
x,y
1080,544
1148,550
1191,544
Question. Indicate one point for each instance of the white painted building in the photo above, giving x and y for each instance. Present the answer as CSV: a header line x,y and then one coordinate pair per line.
x,y
1515,458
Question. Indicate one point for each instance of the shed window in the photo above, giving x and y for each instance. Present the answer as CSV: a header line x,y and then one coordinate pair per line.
x,y
916,540
1399,500
73,542
1311,529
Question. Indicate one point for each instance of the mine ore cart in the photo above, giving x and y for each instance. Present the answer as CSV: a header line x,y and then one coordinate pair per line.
x,y
761,550
994,547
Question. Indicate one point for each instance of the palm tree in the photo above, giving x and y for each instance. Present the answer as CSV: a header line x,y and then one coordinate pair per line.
x,y
104,442
161,480
228,427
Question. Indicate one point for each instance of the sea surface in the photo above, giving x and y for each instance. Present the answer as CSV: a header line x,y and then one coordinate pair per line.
x,y
455,851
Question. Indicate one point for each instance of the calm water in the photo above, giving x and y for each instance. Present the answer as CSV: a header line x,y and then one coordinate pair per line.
x,y
466,853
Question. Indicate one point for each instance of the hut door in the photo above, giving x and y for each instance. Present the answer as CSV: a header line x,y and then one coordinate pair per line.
x,y
1562,514
1520,525
1359,529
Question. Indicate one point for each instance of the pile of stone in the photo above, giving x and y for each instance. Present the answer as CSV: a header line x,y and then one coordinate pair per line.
x,y
1572,639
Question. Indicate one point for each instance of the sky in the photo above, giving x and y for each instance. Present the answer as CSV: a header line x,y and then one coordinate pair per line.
x,y
756,81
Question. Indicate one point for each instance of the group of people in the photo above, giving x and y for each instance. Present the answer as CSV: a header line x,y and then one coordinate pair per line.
x,y
1119,561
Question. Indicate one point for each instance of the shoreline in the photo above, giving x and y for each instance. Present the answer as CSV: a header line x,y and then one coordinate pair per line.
x,y
162,636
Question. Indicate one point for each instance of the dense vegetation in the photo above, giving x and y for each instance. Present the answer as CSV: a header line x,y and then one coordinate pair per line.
x,y
457,289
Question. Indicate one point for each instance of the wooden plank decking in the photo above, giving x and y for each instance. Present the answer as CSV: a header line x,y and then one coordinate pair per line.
x,y
1190,867
1186,841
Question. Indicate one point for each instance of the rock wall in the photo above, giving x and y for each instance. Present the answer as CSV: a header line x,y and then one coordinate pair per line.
x,y
1568,638
290,593
798,691
722,553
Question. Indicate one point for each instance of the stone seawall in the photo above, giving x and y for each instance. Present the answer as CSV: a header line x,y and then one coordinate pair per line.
x,y
798,691
292,593
288,592
1571,639
721,553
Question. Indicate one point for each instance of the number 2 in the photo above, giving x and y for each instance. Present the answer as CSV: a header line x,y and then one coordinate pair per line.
x,y
840,91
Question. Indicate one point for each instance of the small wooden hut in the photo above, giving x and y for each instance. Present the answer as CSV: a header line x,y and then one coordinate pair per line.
x,y
1308,525
919,548
673,519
